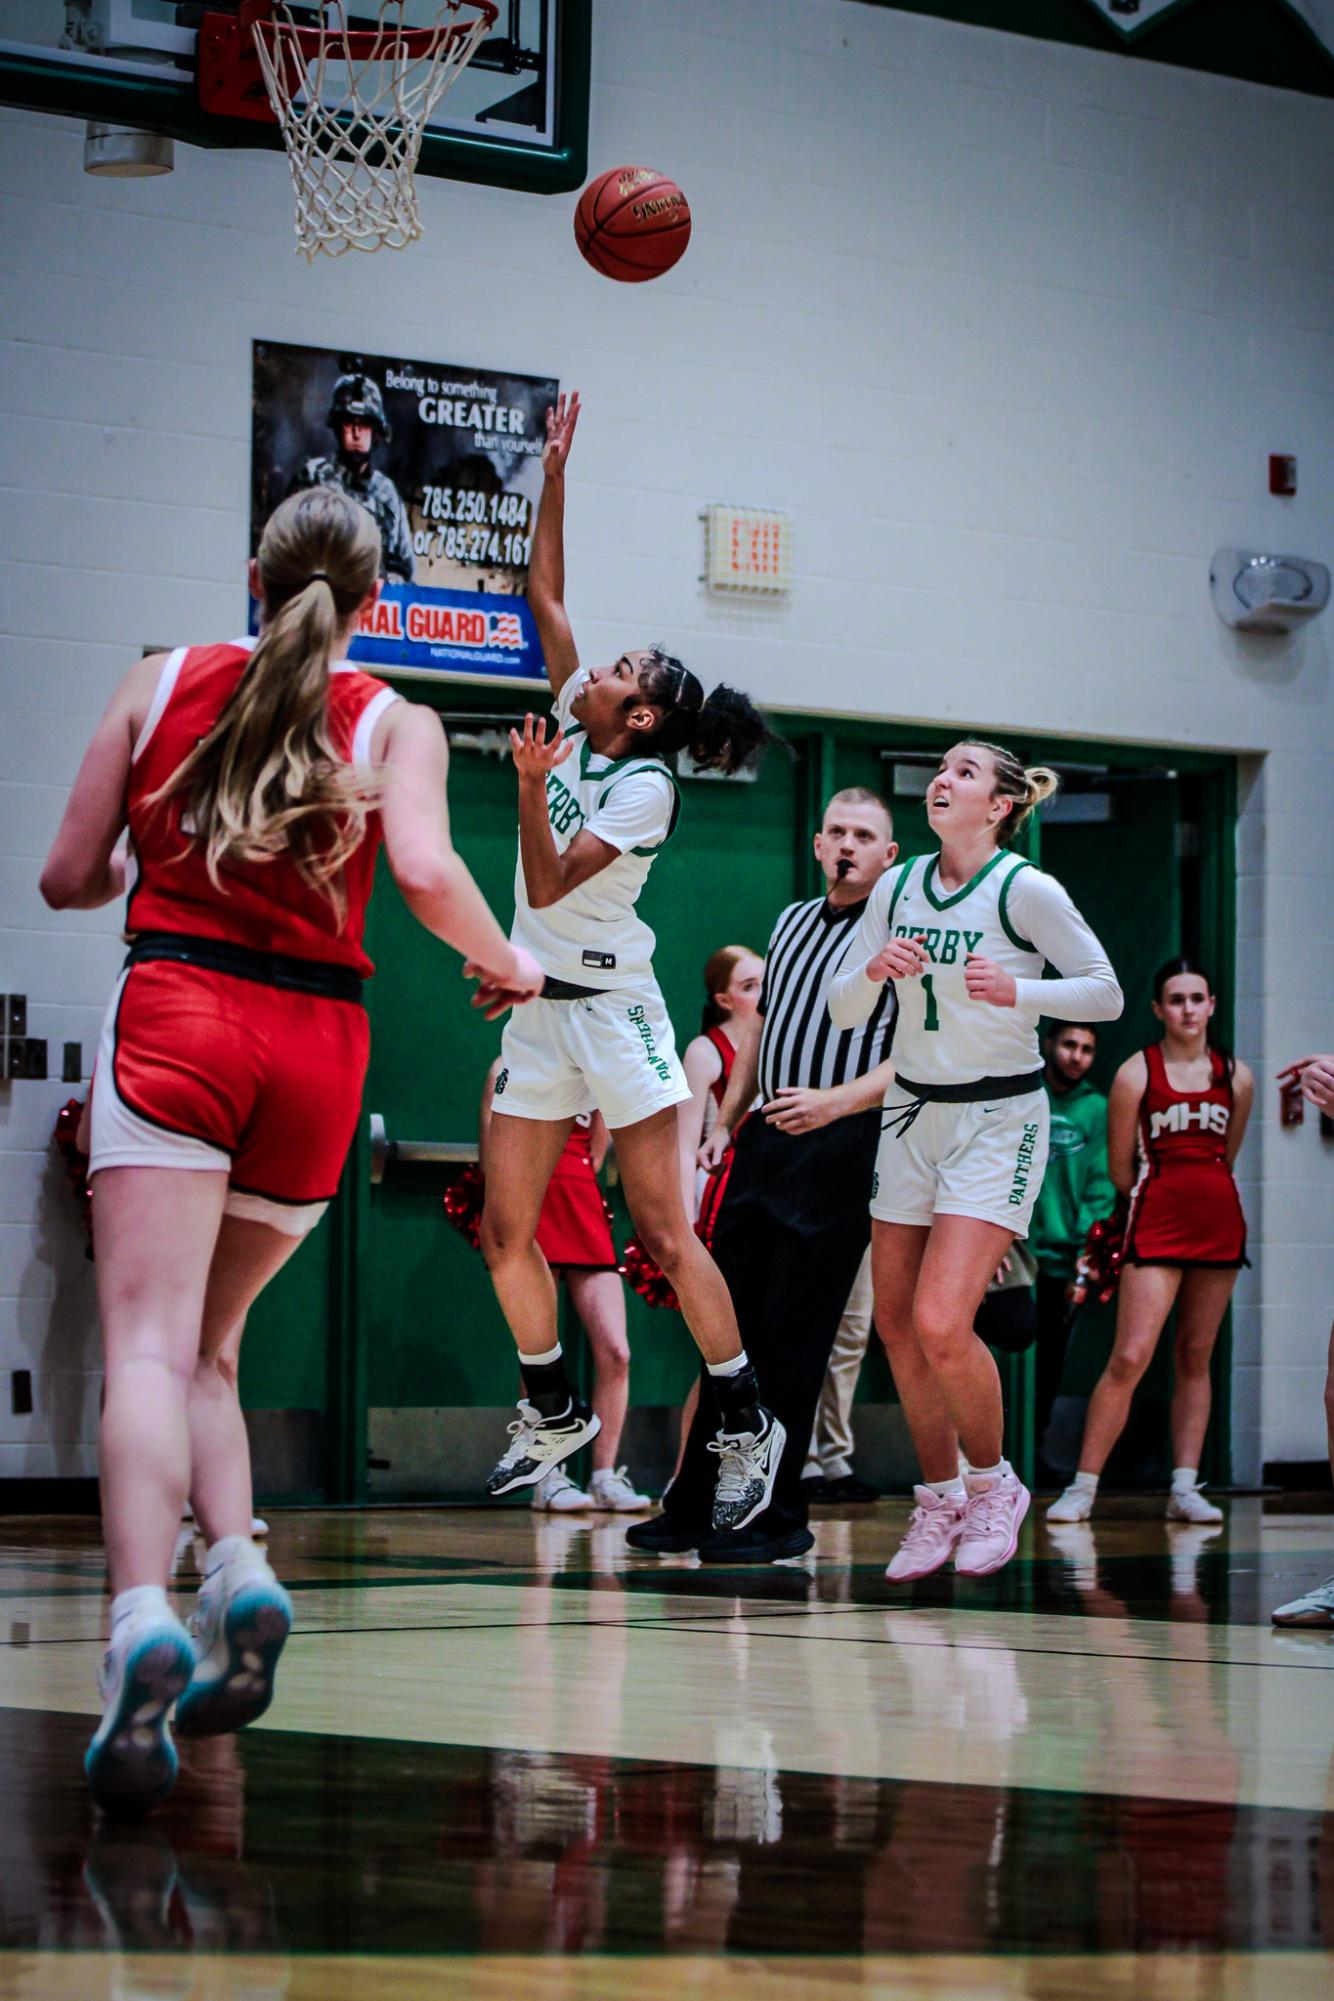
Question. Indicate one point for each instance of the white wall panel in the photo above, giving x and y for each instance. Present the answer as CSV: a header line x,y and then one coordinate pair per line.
x,y
1009,327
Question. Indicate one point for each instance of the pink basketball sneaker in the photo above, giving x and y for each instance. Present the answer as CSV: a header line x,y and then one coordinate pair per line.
x,y
997,1504
935,1526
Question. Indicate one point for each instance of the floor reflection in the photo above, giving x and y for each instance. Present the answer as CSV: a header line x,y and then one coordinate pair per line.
x,y
1058,1761
290,1844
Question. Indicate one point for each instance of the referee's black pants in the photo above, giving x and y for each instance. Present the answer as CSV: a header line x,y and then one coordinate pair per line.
x,y
789,1237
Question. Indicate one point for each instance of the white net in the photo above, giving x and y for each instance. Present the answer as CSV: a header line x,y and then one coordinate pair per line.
x,y
353,107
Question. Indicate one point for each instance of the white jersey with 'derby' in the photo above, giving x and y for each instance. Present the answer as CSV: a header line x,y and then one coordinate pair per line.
x,y
603,1036
1011,913
592,936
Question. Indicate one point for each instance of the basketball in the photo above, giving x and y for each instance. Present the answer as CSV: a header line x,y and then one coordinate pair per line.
x,y
632,224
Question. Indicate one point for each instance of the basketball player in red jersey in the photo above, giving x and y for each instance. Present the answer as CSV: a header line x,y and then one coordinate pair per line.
x,y
256,786
1176,1117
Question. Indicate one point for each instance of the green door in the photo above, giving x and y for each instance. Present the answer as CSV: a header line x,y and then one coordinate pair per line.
x,y
1124,873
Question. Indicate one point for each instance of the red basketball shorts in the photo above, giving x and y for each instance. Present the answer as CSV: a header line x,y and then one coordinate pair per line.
x,y
202,1070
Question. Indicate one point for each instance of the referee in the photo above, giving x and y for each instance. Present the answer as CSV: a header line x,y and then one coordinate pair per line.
x,y
794,1222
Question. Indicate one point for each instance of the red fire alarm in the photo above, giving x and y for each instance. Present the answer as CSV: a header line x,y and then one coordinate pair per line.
x,y
1282,473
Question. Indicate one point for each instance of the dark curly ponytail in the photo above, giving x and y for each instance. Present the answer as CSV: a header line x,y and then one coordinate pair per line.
x,y
723,732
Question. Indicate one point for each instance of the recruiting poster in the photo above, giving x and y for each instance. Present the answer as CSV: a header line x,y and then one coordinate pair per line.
x,y
448,459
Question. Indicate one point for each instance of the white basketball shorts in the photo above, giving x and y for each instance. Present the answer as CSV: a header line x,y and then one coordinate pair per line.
x,y
984,1159
615,1052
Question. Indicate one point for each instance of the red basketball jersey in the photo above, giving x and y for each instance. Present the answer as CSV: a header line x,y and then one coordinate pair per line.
x,y
264,905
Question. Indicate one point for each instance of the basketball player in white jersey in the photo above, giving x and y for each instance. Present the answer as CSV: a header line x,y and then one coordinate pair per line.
x,y
965,934
596,803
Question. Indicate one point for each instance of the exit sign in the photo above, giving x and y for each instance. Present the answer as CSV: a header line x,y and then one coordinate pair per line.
x,y
747,549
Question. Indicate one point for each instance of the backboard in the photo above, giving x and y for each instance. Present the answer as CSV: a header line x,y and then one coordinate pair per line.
x,y
517,117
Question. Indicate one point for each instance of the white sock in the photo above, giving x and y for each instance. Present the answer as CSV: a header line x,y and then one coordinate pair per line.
x,y
541,1361
138,1599
732,1368
231,1549
995,1472
1185,1479
948,1490
1085,1483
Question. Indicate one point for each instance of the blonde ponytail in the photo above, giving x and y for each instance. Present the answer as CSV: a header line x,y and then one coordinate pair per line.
x,y
1043,782
1027,786
266,780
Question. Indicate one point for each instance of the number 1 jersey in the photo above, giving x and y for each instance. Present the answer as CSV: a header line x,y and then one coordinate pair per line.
x,y
1009,913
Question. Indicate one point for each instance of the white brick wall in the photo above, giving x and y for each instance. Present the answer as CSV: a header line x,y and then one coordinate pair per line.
x,y
1010,328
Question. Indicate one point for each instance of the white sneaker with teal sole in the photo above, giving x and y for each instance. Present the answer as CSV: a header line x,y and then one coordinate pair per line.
x,y
240,1625
131,1763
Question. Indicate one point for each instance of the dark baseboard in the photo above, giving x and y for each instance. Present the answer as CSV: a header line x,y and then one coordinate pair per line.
x,y
1298,1476
49,1497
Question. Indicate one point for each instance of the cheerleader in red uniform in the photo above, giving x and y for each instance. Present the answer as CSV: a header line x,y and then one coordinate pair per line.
x,y
574,1236
256,785
1176,1117
733,979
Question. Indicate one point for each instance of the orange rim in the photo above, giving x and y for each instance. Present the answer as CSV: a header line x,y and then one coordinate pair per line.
x,y
364,44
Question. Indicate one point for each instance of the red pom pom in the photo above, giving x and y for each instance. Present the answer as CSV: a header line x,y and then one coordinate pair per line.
x,y
464,1200
1104,1253
643,1276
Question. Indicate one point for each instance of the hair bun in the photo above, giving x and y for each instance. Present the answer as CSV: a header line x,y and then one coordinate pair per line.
x,y
730,732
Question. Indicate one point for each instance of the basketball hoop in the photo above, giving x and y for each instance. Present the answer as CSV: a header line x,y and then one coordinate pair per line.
x,y
353,104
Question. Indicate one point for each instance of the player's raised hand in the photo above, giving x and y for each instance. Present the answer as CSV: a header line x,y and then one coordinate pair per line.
x,y
898,959
561,420
986,981
534,757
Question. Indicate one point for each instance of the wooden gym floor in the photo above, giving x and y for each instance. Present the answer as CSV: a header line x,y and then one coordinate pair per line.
x,y
509,1760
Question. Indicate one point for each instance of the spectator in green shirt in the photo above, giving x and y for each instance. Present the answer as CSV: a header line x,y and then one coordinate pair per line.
x,y
1076,1191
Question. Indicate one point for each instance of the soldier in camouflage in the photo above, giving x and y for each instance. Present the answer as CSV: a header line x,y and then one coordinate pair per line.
x,y
357,420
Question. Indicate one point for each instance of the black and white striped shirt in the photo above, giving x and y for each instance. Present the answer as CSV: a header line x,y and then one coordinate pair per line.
x,y
799,1044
